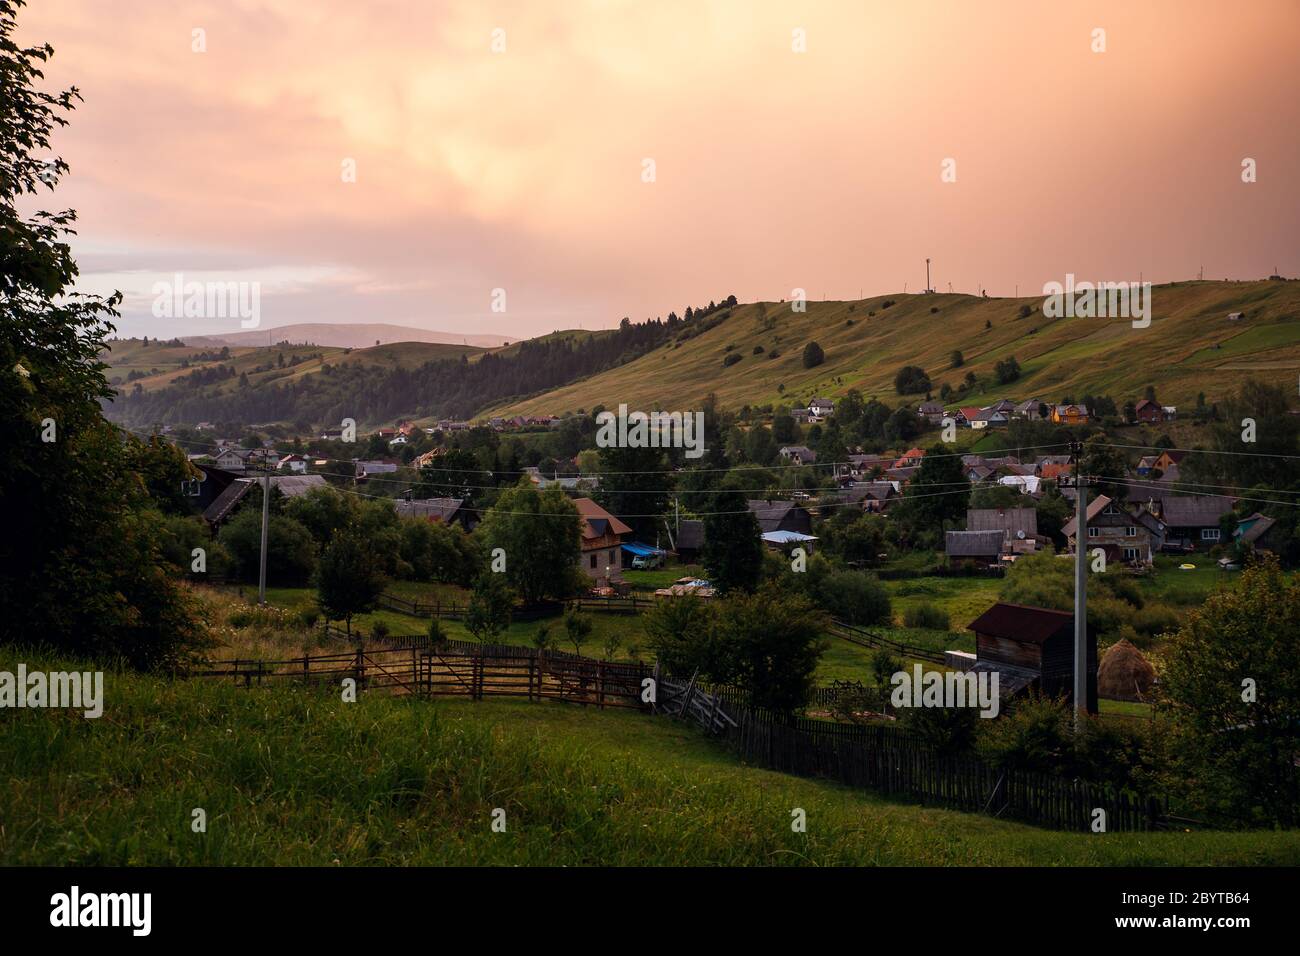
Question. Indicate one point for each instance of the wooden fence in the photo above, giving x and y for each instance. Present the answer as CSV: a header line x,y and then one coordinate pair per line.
x,y
856,635
891,761
453,668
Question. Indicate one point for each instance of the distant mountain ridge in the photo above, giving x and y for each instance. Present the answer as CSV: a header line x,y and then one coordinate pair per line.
x,y
354,335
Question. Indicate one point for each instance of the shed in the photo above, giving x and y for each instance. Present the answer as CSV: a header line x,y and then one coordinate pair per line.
x,y
1034,640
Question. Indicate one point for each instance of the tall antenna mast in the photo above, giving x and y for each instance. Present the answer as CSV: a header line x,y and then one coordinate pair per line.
x,y
927,275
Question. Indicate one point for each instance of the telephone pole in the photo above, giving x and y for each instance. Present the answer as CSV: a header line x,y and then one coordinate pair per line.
x,y
266,518
1080,588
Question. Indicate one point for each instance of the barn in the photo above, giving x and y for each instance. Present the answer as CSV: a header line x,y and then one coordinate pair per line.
x,y
1032,648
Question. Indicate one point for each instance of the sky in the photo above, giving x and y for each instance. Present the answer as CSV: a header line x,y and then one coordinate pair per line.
x,y
525,167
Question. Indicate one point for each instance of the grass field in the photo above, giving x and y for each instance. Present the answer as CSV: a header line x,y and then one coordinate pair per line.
x,y
296,777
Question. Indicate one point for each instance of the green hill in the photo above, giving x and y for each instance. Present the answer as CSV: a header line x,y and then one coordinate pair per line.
x,y
1189,347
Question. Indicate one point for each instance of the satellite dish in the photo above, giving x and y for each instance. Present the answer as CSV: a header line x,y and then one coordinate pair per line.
x,y
1020,535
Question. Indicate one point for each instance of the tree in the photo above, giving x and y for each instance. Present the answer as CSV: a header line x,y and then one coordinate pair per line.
x,y
676,629
1106,466
577,627
911,379
813,355
1007,371
733,547
770,643
1231,685
634,485
348,579
540,533
854,597
937,494
490,606
81,563
956,360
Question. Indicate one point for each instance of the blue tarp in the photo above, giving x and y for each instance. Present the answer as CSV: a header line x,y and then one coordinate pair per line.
x,y
637,548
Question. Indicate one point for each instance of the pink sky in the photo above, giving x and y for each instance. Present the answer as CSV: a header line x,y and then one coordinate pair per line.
x,y
522,169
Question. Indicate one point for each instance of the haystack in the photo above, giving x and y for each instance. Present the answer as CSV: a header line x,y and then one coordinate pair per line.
x,y
1124,674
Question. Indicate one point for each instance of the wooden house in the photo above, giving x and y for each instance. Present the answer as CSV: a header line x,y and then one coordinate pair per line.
x,y
602,542
1032,648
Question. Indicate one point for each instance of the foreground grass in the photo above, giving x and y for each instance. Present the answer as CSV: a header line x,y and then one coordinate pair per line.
x,y
295,776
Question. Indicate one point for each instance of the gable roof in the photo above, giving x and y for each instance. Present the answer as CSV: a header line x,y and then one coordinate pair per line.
x,y
972,544
434,509
288,485
1095,507
1191,511
1250,530
1021,622
771,513
596,521
1006,521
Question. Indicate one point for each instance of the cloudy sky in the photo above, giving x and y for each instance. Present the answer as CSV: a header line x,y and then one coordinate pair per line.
x,y
505,146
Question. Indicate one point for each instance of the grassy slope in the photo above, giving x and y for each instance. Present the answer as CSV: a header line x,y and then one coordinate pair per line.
x,y
1176,353
297,777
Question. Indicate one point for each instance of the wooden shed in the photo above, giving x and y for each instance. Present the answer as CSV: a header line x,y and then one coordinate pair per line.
x,y
1034,641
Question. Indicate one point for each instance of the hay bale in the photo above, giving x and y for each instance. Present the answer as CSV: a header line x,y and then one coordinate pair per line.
x,y
1124,673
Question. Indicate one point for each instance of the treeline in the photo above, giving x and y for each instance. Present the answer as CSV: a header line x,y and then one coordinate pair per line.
x,y
454,388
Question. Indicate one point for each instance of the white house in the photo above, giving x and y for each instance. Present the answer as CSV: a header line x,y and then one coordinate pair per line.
x,y
821,408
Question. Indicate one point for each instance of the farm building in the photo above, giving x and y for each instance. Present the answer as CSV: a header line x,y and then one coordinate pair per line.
x,y
1032,648
448,511
983,547
1018,527
781,516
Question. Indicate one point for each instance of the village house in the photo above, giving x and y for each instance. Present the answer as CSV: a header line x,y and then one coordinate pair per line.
x,y
1259,532
1032,649
1168,459
820,408
932,412
1033,410
295,463
969,415
448,511
1130,535
1192,521
602,543
910,458
798,454
1069,415
989,418
864,466
290,486
781,516
1018,527
1148,412
981,547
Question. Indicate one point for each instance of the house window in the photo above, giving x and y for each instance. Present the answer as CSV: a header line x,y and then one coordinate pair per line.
x,y
1130,554
1093,532
1209,534
593,562
1131,531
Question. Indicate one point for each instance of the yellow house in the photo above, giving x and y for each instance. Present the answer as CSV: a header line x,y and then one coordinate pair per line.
x,y
1069,415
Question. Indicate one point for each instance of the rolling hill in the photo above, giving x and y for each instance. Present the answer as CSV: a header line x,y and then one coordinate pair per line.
x,y
1189,347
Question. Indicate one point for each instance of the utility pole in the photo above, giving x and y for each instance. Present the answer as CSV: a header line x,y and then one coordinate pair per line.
x,y
266,519
927,275
1080,589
